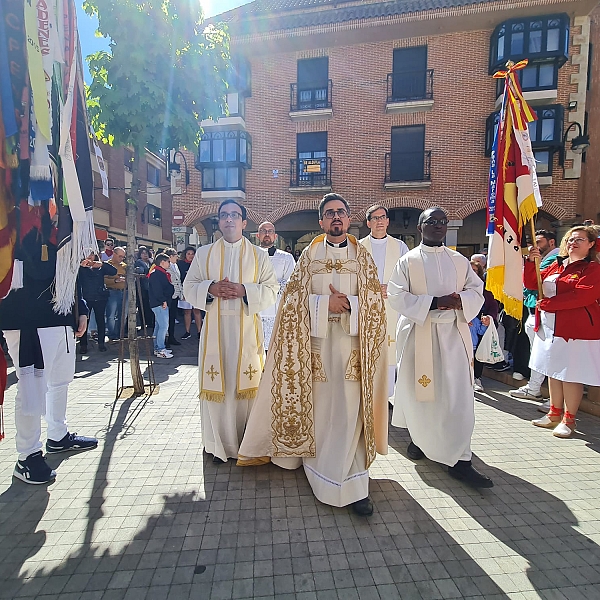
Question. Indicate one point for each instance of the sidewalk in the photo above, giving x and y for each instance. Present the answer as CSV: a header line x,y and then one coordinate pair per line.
x,y
148,516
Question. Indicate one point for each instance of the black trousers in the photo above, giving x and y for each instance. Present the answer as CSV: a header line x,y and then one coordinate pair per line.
x,y
99,308
172,314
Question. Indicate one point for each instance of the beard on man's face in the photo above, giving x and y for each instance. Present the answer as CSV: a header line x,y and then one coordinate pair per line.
x,y
336,229
266,242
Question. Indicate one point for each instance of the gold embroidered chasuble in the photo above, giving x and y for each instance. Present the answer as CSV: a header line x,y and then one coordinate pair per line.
x,y
293,365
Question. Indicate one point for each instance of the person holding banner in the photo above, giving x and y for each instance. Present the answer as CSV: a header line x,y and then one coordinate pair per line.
x,y
437,293
566,347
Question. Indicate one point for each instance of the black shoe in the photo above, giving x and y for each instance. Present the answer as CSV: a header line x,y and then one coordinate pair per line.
x,y
363,507
186,336
174,342
71,441
501,366
34,469
463,470
414,452
102,348
218,461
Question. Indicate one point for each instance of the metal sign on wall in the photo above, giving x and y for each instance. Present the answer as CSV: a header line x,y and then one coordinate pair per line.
x,y
312,166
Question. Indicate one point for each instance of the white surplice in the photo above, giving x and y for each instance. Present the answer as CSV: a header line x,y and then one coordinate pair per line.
x,y
442,429
386,252
223,423
283,264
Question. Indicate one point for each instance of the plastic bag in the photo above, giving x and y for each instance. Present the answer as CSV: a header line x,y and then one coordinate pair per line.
x,y
489,350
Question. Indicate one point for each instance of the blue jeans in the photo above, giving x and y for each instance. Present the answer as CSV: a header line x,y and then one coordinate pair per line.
x,y
113,314
161,326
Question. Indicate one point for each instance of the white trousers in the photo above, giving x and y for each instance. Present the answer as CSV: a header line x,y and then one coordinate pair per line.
x,y
535,379
58,350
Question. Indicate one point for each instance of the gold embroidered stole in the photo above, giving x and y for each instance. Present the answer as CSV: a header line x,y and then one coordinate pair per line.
x,y
290,359
424,375
251,352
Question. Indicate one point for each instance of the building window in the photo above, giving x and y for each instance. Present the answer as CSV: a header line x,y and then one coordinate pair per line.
x,y
545,133
153,175
410,79
312,89
312,167
236,105
154,216
408,159
239,78
234,146
223,178
540,38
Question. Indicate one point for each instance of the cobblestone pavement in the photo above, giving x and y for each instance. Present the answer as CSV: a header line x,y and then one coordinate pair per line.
x,y
146,515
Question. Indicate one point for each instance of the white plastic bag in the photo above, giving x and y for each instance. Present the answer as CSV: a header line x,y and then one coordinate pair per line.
x,y
489,350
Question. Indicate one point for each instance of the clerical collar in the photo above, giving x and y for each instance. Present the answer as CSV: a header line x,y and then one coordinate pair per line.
x,y
427,248
376,241
233,244
271,250
340,245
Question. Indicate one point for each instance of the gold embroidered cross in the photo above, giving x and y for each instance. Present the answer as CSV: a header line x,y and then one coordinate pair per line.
x,y
250,372
424,381
212,372
391,340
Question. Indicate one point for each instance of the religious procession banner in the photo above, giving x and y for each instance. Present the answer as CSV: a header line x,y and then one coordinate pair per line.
x,y
513,195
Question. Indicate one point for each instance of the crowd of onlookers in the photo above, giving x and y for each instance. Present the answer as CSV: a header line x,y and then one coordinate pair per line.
x,y
160,302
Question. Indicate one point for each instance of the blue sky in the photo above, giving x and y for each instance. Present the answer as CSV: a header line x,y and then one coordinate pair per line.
x,y
87,26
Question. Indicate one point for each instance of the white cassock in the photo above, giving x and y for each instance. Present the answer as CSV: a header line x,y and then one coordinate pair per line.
x,y
386,252
223,423
283,264
442,427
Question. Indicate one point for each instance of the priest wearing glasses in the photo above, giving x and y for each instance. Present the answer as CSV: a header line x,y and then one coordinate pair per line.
x,y
386,252
436,293
322,402
232,280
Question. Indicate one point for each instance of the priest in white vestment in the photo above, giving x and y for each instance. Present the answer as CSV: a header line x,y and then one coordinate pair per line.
x,y
283,264
436,293
322,402
386,252
232,280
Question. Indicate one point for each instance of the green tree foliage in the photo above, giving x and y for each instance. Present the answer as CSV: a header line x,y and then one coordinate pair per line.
x,y
164,72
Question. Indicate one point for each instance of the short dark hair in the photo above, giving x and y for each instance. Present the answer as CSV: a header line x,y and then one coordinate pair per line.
x,y
375,207
330,197
545,233
160,257
170,252
429,210
232,201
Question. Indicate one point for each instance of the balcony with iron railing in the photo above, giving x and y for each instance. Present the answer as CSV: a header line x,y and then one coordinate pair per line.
x,y
310,175
311,102
407,170
410,91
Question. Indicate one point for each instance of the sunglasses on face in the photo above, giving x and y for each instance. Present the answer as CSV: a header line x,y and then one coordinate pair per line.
x,y
436,222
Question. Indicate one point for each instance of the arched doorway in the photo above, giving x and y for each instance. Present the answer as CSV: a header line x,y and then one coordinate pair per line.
x,y
297,229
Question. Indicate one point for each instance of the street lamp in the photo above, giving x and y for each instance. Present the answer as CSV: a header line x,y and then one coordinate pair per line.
x,y
214,223
579,144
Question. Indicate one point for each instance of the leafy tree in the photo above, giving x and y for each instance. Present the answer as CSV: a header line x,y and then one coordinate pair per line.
x,y
163,73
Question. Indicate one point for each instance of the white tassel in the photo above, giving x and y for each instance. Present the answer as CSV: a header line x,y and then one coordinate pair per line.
x,y
83,242
17,275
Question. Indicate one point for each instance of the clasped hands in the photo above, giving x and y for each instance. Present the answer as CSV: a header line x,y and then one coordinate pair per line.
x,y
227,290
450,302
338,302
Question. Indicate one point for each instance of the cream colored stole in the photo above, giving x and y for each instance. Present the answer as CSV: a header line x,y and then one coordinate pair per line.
x,y
251,351
424,376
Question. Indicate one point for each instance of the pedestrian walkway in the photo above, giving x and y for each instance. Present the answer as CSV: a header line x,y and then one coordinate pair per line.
x,y
148,516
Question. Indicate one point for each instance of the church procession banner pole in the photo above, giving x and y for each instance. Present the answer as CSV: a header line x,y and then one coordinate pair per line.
x,y
513,194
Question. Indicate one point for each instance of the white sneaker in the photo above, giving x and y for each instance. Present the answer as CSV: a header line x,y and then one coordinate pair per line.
x,y
544,407
477,386
517,376
162,354
526,392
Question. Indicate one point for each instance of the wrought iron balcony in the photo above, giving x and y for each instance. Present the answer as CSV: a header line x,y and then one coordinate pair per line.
x,y
409,86
407,166
310,172
310,97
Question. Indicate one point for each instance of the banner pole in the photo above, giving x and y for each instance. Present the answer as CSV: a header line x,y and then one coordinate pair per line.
x,y
537,261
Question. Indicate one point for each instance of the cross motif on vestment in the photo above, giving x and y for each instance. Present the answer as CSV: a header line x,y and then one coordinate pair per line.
x,y
391,340
424,381
250,372
212,372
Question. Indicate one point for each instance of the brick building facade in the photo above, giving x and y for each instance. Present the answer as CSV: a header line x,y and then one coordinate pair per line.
x,y
155,209
392,103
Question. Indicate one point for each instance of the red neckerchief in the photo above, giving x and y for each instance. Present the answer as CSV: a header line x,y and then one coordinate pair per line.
x,y
158,268
108,252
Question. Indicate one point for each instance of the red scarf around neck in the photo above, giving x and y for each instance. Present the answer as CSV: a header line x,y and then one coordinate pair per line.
x,y
158,268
